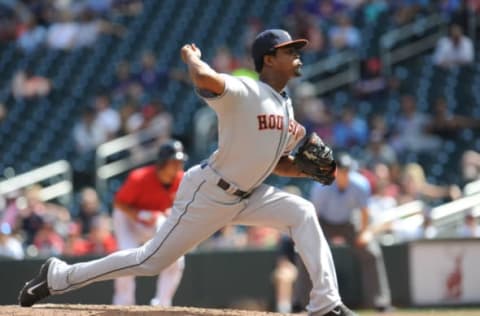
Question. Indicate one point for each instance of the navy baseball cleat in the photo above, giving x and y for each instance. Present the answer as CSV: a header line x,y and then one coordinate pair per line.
x,y
37,288
340,310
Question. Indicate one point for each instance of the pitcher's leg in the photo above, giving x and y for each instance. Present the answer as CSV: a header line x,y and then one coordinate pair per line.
x,y
272,207
193,220
168,282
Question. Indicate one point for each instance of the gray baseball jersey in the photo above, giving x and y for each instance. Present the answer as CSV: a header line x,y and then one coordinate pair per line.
x,y
256,128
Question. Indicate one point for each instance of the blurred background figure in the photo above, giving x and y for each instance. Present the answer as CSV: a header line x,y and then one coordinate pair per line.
x,y
26,85
415,186
10,246
336,205
90,208
141,206
454,50
470,227
411,132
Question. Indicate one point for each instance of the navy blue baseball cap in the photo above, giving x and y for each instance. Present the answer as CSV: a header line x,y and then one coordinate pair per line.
x,y
267,41
171,150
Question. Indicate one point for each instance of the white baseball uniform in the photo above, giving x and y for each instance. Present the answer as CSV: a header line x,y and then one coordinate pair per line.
x,y
256,128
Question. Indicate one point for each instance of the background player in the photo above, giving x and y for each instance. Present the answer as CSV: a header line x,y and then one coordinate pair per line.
x,y
141,206
257,132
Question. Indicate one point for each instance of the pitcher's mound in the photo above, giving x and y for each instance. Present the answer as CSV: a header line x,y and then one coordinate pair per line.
x,y
110,310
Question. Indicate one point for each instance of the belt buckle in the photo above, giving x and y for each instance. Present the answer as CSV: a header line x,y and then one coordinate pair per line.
x,y
231,189
242,194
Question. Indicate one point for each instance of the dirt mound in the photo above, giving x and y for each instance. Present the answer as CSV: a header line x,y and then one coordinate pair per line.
x,y
109,310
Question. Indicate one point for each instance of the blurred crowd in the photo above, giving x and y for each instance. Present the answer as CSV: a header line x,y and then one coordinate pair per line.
x,y
62,25
388,148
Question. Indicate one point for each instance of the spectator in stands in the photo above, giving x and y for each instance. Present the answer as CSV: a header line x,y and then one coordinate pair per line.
x,y
90,28
88,133
9,209
150,77
123,81
350,130
381,200
378,151
404,13
106,116
411,129
313,113
372,83
325,10
260,237
75,244
343,35
408,229
384,175
33,37
128,7
100,238
10,246
62,34
34,212
26,85
99,7
47,240
470,165
156,116
90,208
414,186
470,227
446,124
454,50
371,10
306,20
335,206
224,61
131,118
298,17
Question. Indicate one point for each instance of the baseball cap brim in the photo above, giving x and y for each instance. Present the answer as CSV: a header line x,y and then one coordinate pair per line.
x,y
298,43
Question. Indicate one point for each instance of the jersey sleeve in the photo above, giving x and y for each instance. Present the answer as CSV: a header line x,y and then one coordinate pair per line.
x,y
234,91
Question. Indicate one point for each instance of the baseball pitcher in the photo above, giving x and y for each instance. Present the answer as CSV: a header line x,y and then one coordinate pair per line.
x,y
257,133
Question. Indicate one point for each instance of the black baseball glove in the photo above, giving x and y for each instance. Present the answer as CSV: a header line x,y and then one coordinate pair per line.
x,y
315,159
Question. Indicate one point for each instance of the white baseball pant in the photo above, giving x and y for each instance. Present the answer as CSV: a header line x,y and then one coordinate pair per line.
x,y
201,208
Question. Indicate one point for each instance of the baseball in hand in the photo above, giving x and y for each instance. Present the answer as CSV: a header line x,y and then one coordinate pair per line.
x,y
189,50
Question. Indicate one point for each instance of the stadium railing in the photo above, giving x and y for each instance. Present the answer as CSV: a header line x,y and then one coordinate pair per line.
x,y
55,178
333,71
108,164
410,40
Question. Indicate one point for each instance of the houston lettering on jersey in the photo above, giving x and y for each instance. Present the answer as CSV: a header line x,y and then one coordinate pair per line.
x,y
275,121
271,121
